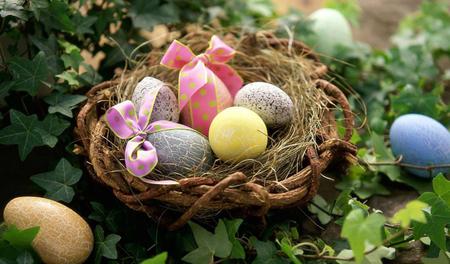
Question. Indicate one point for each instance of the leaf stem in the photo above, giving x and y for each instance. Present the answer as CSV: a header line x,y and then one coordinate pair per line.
x,y
398,162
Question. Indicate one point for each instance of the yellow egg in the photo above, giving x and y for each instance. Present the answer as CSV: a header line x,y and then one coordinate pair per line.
x,y
237,133
63,238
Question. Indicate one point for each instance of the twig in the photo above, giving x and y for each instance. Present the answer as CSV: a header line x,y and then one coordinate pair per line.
x,y
398,162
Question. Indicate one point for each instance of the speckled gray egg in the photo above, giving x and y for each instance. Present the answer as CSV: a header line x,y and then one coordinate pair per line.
x,y
166,104
271,103
181,151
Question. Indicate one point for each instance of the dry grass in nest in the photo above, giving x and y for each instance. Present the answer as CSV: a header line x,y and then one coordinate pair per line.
x,y
255,60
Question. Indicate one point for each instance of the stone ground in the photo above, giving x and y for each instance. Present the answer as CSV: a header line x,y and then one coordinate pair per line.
x,y
379,20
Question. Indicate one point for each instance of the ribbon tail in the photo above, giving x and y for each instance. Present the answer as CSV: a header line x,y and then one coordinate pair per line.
x,y
192,77
228,76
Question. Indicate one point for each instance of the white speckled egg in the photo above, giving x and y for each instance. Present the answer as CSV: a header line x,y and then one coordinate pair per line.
x,y
64,237
166,104
181,151
271,103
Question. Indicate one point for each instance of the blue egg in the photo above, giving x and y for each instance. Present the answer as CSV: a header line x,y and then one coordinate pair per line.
x,y
421,141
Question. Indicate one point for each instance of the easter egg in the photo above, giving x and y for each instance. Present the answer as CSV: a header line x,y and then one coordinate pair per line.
x,y
421,141
166,104
237,133
181,151
331,30
63,237
271,103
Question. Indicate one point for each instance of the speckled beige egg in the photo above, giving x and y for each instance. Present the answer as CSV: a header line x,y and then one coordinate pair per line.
x,y
271,103
63,238
166,104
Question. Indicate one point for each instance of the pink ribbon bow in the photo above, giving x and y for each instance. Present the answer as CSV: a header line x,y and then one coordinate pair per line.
x,y
140,155
206,84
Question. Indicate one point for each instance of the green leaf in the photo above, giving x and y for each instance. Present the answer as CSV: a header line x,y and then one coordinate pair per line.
x,y
158,259
90,77
54,125
201,255
20,238
237,251
51,49
375,257
29,75
413,211
441,187
438,215
70,76
359,229
442,258
56,16
13,8
36,6
105,246
393,172
146,14
63,103
25,258
266,252
83,24
287,248
313,207
218,243
58,182
72,60
27,132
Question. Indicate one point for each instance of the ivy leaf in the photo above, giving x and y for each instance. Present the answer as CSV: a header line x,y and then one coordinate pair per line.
x,y
201,255
90,77
393,172
53,125
83,24
158,259
237,251
63,103
50,47
70,76
145,14
359,229
25,258
27,132
72,60
413,211
442,258
287,248
56,16
58,182
36,6
266,252
438,215
13,8
29,75
313,207
375,257
216,244
20,238
105,246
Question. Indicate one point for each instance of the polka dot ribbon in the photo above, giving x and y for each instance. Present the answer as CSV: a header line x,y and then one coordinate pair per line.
x,y
202,80
140,155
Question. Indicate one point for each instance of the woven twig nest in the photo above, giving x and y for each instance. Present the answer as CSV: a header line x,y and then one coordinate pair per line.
x,y
286,175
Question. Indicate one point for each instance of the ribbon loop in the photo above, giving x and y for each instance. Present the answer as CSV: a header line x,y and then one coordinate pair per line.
x,y
206,84
140,155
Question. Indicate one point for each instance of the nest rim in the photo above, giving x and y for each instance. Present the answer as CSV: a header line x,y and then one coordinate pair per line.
x,y
234,192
